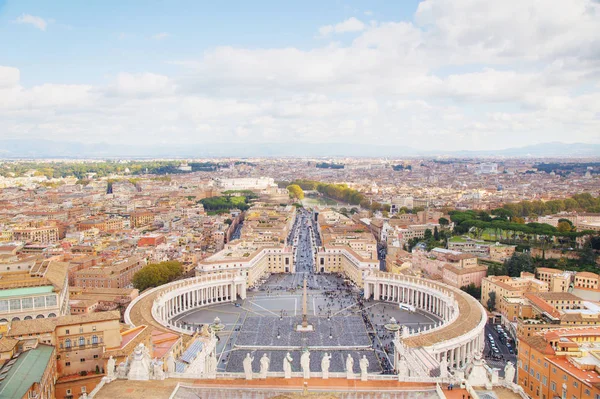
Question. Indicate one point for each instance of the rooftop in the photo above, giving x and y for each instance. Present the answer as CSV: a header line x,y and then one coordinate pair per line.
x,y
17,375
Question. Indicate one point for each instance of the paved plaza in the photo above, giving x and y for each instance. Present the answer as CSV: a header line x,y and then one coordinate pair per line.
x,y
265,322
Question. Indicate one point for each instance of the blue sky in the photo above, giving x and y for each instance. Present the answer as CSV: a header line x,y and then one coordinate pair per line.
x,y
88,40
452,74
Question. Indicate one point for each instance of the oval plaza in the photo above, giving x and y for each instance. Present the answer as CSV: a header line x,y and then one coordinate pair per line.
x,y
305,299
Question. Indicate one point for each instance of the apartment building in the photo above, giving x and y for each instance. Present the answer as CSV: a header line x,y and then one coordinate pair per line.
x,y
558,281
560,363
40,235
116,274
80,341
141,218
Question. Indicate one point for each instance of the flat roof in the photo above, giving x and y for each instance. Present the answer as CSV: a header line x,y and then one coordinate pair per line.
x,y
45,289
27,369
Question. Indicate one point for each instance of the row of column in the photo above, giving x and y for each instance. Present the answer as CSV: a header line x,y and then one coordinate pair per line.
x,y
458,356
415,297
199,297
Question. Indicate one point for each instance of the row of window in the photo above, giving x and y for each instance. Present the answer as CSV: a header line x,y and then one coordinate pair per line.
x,y
69,343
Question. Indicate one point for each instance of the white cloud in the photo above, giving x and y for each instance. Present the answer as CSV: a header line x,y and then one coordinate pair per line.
x,y
144,84
161,36
9,77
350,25
38,22
477,74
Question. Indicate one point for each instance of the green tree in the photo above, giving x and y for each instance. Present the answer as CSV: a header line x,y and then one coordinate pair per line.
x,y
472,290
436,234
295,191
443,222
564,226
155,274
428,234
517,263
491,302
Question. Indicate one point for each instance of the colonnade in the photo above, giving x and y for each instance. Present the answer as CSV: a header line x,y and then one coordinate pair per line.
x,y
423,298
441,300
198,297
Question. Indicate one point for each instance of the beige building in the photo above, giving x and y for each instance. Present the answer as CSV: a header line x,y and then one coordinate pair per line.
x,y
80,340
118,274
558,281
41,235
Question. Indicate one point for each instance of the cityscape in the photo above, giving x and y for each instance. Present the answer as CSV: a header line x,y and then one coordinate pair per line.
x,y
300,200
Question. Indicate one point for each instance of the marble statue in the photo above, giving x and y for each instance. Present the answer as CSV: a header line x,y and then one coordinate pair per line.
x,y
248,366
349,367
122,370
305,364
140,364
110,369
402,368
444,367
509,372
405,332
325,362
170,364
264,366
364,366
287,365
211,366
157,370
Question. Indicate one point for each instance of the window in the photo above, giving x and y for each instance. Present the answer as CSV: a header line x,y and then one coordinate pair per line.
x,y
67,363
67,343
68,391
80,330
81,341
575,384
94,339
93,328
67,332
553,386
83,389
95,356
82,360
587,392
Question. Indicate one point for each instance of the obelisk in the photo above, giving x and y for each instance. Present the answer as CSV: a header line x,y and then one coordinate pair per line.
x,y
304,326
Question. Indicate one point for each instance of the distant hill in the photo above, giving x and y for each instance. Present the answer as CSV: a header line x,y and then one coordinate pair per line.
x,y
31,148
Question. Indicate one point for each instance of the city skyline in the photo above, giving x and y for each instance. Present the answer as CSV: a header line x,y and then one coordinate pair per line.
x,y
425,75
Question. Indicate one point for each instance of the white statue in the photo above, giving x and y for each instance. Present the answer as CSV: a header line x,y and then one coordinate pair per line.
x,y
211,366
325,362
110,368
405,332
157,370
170,364
444,367
402,369
122,370
509,372
349,367
287,365
305,364
364,366
248,366
264,366
140,364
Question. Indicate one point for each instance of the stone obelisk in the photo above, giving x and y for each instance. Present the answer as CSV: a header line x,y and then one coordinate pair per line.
x,y
304,326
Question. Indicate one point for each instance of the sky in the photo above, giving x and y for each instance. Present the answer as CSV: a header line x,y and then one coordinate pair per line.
x,y
434,74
